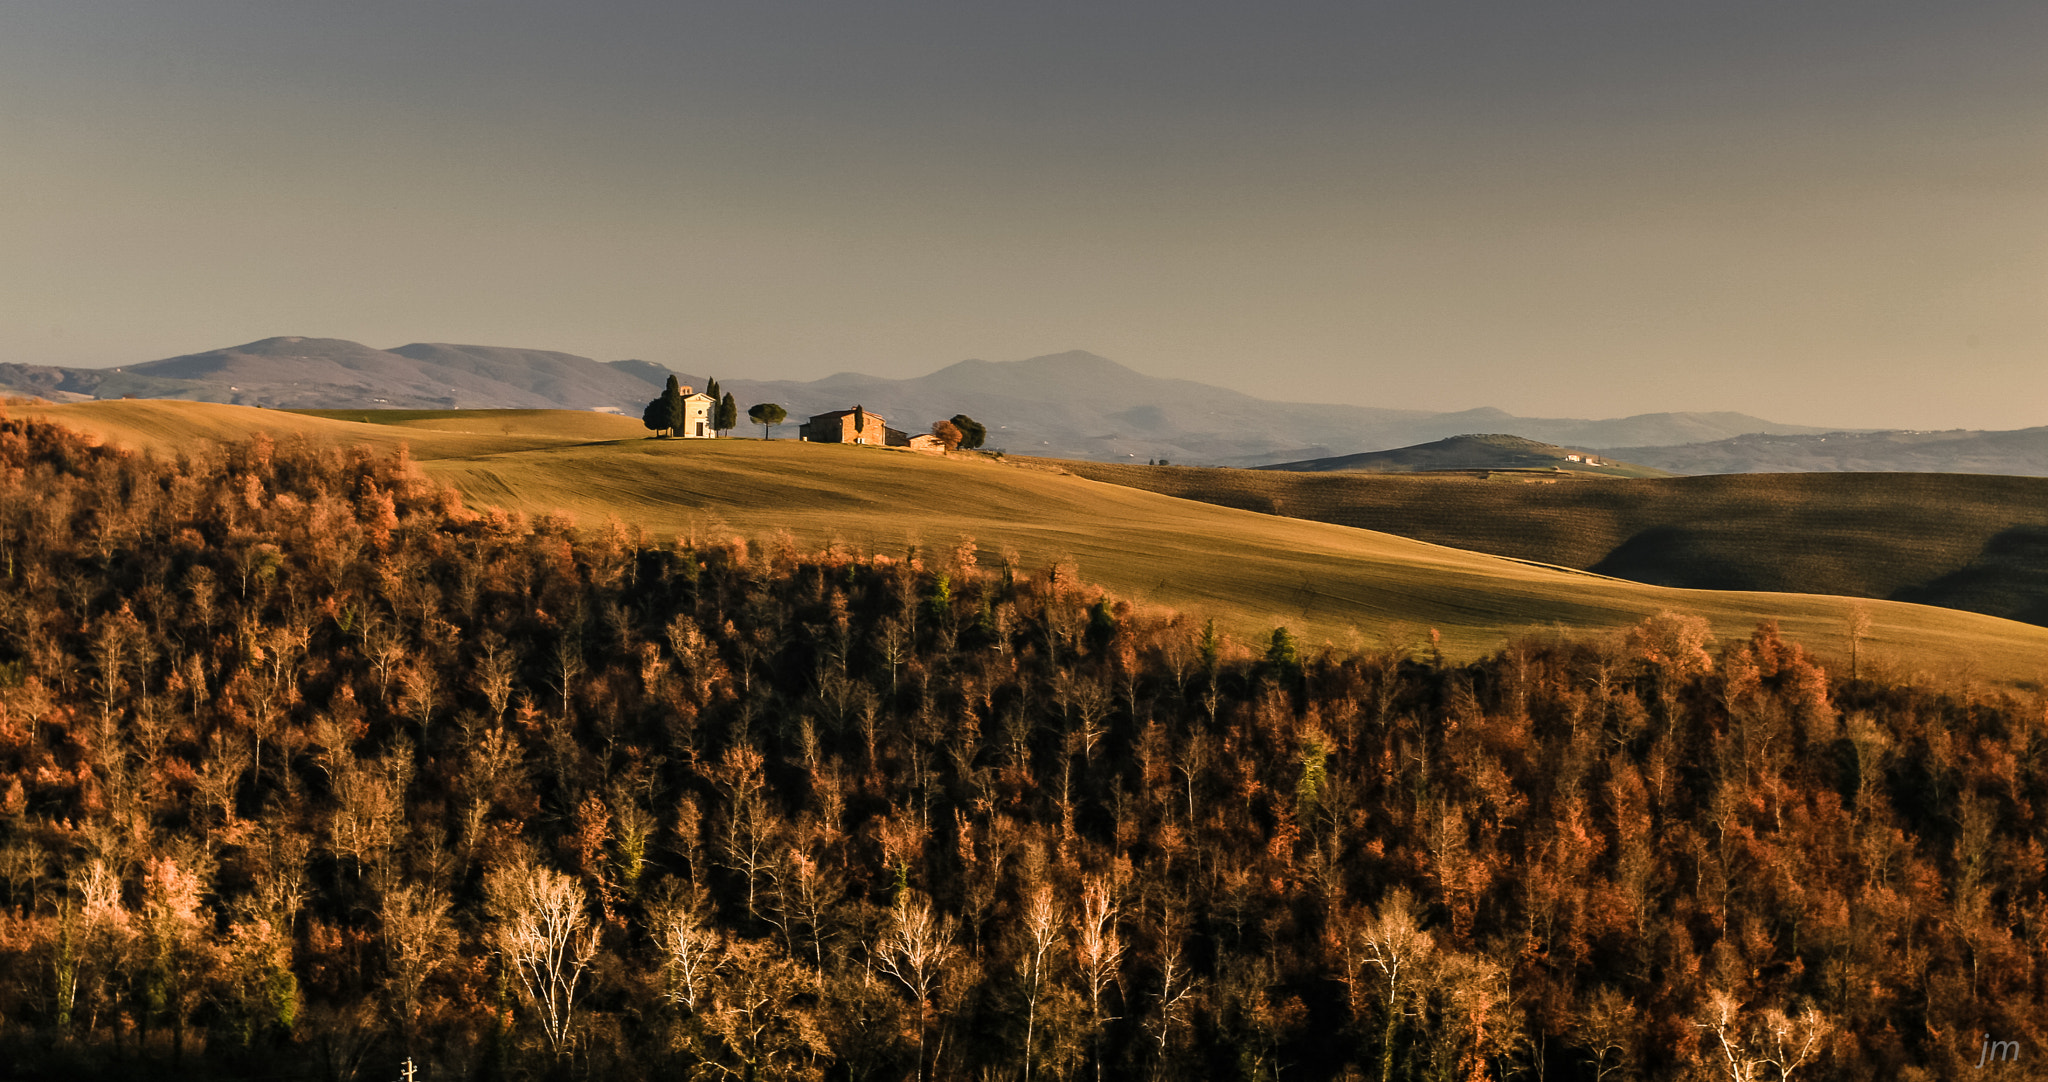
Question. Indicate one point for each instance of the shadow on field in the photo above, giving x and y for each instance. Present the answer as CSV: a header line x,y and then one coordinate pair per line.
x,y
1680,556
2009,578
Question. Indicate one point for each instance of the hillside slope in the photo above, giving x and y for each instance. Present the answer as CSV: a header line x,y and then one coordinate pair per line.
x,y
1962,541
279,687
1254,572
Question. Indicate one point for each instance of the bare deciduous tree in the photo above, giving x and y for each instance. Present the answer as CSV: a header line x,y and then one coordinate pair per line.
x,y
915,946
97,946
691,951
1041,937
1743,1043
1391,942
1176,987
178,951
417,936
542,929
1099,954
497,671
368,812
758,1028
747,837
1607,1028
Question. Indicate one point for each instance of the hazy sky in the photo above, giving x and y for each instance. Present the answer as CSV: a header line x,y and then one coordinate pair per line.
x,y
1824,211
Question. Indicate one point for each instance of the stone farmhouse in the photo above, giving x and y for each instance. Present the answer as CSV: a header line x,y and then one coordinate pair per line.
x,y
864,426
851,426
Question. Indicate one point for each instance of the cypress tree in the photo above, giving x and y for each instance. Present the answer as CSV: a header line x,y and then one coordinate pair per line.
x,y
672,402
711,415
728,414
1283,658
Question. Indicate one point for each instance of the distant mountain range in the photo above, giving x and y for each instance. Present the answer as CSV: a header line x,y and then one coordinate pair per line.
x,y
2022,452
1065,405
1069,405
1474,453
332,373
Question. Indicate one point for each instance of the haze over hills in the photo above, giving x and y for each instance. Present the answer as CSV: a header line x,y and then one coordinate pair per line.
x,y
1475,452
1079,405
333,373
2018,451
1073,404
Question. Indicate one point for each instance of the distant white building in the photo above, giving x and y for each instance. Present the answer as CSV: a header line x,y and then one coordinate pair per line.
x,y
697,407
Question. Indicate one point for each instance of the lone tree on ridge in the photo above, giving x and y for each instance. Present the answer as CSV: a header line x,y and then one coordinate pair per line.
x,y
768,415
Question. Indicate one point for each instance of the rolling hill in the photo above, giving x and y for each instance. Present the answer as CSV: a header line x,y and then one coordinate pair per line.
x,y
1253,571
2021,451
1972,542
1475,452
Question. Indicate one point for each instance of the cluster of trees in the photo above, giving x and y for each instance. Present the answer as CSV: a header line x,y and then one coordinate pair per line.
x,y
961,431
973,434
305,767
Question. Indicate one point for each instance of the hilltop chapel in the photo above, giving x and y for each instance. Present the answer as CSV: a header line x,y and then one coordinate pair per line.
x,y
697,410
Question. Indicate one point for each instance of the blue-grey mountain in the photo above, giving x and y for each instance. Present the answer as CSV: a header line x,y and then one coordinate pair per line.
x,y
1071,405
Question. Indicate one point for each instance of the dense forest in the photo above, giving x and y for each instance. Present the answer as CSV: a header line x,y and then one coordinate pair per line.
x,y
307,770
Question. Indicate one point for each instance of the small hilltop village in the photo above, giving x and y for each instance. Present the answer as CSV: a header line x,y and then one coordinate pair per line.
x,y
687,413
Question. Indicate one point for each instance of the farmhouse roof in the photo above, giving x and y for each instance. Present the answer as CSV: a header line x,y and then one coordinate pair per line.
x,y
844,413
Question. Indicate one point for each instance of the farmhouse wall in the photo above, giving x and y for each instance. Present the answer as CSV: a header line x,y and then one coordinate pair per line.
x,y
856,425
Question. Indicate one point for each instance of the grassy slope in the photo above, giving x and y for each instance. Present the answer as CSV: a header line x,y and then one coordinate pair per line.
x,y
1934,538
550,424
1253,571
168,426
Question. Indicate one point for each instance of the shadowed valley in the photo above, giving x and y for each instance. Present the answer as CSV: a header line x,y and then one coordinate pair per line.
x,y
1962,541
